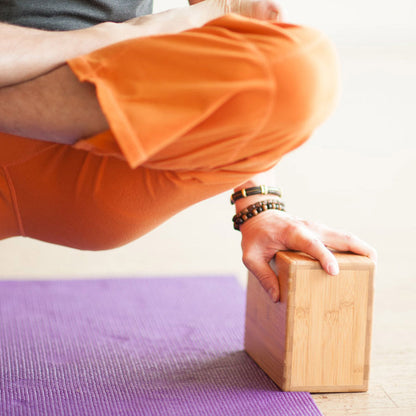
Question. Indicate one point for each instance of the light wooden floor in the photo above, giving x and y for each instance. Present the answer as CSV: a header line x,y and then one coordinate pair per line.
x,y
393,366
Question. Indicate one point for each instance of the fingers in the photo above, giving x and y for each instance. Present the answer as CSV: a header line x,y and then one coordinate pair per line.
x,y
345,241
278,12
264,235
301,239
265,275
258,9
270,10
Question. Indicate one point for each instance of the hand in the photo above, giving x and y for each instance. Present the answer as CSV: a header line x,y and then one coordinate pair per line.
x,y
273,231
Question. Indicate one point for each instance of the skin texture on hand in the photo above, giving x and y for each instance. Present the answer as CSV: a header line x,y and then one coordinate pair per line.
x,y
273,231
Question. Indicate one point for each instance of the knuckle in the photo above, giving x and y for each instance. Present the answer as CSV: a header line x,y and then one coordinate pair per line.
x,y
290,229
348,236
263,279
312,243
307,223
349,239
292,235
249,261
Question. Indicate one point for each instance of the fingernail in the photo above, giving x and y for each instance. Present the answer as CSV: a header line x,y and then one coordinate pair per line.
x,y
333,269
273,294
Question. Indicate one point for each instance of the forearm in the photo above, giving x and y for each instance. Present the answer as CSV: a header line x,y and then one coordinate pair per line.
x,y
27,53
55,106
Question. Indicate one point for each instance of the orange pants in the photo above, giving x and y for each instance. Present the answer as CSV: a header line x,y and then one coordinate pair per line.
x,y
191,115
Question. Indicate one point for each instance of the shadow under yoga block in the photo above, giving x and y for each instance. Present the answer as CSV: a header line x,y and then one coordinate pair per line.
x,y
317,338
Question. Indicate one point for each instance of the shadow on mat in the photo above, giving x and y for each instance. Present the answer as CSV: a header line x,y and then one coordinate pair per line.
x,y
238,370
234,371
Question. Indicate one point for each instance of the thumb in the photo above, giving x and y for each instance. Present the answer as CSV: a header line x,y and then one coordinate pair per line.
x,y
267,278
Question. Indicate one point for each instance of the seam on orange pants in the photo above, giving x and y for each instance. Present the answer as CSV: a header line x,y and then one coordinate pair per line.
x,y
16,149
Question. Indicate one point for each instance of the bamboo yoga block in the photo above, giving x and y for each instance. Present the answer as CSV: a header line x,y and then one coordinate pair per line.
x,y
317,338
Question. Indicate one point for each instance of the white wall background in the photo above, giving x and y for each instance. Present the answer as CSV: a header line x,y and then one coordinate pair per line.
x,y
358,172
381,21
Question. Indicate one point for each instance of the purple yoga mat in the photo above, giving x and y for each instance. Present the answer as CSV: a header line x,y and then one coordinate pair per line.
x,y
132,347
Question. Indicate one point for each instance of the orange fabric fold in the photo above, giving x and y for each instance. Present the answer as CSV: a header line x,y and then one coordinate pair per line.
x,y
191,115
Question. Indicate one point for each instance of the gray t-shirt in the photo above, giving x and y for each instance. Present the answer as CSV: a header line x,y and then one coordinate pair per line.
x,y
70,14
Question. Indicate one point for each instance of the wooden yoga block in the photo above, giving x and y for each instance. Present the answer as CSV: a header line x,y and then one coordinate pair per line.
x,y
317,338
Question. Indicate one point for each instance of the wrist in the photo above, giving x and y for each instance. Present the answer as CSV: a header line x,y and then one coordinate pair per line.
x,y
252,199
173,20
254,210
103,34
244,196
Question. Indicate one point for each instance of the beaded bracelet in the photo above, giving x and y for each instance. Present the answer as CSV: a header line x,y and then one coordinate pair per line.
x,y
255,209
255,190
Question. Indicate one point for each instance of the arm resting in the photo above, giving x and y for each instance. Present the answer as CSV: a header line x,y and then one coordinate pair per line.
x,y
27,53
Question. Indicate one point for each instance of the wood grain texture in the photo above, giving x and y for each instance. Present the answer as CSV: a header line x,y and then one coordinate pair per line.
x,y
317,338
270,352
393,357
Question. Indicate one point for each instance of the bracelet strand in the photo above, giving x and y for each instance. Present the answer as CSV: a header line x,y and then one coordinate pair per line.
x,y
255,209
255,190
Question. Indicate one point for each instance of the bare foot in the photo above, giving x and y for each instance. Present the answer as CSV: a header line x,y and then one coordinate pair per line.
x,y
196,15
257,9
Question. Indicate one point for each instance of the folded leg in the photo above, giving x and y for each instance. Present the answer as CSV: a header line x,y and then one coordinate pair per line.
x,y
190,115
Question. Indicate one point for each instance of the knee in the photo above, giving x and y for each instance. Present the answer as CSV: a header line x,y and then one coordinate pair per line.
x,y
306,79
